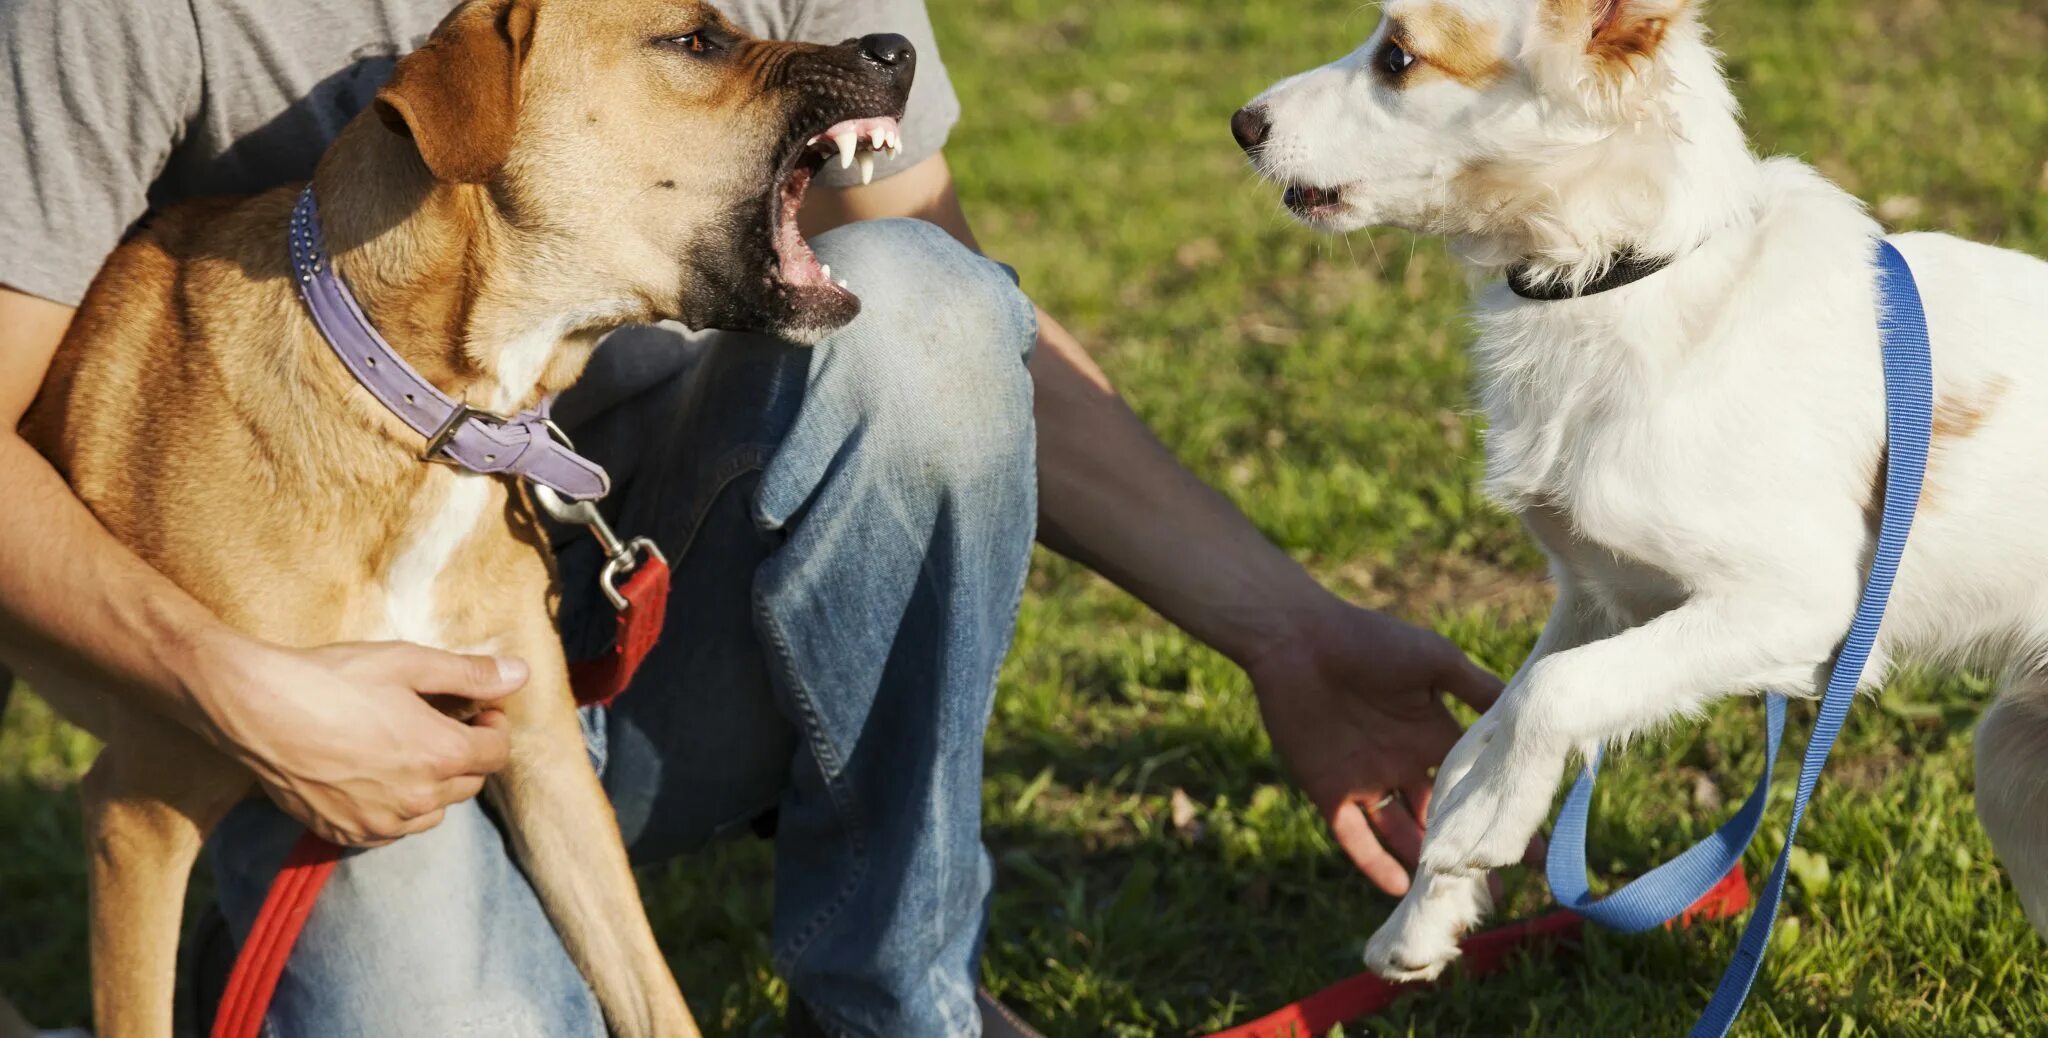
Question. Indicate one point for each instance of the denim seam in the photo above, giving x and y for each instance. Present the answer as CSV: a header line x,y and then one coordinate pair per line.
x,y
831,769
752,458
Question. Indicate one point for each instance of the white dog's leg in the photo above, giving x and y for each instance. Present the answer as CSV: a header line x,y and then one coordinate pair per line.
x,y
1421,937
1501,777
1582,698
2012,788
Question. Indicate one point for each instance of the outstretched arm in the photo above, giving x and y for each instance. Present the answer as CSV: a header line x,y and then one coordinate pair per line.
x,y
1351,697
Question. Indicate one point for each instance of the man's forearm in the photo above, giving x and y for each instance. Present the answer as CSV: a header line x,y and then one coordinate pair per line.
x,y
74,598
1112,497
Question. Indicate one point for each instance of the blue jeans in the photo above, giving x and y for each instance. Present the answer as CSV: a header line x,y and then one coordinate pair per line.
x,y
850,527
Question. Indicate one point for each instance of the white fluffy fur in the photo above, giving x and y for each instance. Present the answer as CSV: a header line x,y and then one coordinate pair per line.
x,y
1697,452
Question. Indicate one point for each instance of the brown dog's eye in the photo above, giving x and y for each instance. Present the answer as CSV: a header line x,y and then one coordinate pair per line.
x,y
693,42
1393,59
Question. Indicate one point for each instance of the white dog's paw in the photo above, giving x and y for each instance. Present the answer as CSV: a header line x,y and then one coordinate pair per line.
x,y
1487,819
1421,937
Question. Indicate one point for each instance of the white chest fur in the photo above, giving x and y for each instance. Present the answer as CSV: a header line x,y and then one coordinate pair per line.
x,y
413,610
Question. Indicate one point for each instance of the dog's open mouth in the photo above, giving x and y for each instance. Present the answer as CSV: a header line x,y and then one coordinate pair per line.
x,y
1314,203
852,142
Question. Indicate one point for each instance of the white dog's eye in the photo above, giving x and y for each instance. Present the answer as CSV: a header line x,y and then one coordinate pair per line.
x,y
1393,59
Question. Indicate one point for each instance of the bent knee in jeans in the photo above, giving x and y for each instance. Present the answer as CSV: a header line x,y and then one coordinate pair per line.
x,y
436,935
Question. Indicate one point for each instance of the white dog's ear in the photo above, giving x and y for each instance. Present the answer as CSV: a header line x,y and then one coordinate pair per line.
x,y
1605,53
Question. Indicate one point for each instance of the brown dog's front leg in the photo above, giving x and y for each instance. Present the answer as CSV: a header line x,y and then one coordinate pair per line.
x,y
150,799
567,839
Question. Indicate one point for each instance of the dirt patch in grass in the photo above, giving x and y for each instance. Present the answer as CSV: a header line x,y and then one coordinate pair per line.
x,y
1425,588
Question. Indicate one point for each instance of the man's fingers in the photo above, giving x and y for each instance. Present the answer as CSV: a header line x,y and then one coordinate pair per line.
x,y
486,747
424,822
1471,683
1435,741
1354,834
1418,796
459,789
1398,830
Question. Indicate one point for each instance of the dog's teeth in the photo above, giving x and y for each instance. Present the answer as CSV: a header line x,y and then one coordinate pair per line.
x,y
827,269
842,284
847,140
876,137
867,167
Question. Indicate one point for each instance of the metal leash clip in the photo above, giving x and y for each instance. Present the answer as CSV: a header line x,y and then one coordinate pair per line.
x,y
621,558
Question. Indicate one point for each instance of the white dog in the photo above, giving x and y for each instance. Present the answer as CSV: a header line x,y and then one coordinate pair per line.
x,y
1698,446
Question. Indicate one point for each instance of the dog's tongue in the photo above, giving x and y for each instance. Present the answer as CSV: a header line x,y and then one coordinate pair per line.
x,y
800,266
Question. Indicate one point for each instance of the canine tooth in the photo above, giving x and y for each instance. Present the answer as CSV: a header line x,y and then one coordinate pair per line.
x,y
846,143
867,167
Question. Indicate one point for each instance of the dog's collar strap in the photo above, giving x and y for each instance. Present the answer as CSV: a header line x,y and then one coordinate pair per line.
x,y
1626,268
523,445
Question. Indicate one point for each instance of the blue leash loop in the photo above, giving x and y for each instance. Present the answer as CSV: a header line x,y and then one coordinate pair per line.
x,y
1664,892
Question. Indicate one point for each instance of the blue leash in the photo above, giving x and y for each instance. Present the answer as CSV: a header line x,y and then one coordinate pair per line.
x,y
1662,893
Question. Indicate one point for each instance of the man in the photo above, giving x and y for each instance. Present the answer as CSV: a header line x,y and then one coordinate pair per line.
x,y
850,528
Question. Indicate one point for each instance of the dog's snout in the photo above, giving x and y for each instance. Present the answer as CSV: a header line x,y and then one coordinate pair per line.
x,y
889,50
1250,126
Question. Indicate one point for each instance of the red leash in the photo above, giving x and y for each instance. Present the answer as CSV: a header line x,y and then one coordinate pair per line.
x,y
1367,994
643,604
312,860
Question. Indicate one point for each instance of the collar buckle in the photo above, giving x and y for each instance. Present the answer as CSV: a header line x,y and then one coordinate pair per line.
x,y
437,444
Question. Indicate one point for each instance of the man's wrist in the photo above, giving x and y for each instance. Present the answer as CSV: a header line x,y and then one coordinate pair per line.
x,y
193,648
1287,623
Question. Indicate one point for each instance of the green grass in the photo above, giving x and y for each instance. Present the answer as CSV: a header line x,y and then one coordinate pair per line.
x,y
1322,384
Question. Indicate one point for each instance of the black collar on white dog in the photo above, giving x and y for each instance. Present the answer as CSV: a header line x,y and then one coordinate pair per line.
x,y
1626,268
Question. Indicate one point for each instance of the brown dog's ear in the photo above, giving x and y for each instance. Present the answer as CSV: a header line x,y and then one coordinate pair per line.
x,y
1628,31
1604,53
457,96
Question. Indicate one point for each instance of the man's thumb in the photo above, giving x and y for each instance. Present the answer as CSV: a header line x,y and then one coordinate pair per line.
x,y
471,677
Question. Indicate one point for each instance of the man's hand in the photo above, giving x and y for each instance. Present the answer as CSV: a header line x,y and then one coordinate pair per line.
x,y
1354,706
342,740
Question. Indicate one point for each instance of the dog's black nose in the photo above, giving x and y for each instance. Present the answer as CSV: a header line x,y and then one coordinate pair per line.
x,y
1250,127
888,50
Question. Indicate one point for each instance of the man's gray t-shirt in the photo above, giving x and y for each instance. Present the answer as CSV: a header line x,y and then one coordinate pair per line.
x,y
109,107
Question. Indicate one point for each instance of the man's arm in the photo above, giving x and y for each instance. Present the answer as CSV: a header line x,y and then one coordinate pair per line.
x,y
1350,696
339,735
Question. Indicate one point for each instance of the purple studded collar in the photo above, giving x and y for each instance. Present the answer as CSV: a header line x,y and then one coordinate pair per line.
x,y
525,445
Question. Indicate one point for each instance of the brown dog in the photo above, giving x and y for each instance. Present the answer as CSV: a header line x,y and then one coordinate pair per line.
x,y
539,173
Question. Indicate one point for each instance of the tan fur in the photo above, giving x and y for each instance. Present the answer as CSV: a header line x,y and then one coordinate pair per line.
x,y
1450,45
1621,35
1959,419
195,409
